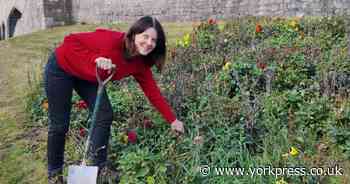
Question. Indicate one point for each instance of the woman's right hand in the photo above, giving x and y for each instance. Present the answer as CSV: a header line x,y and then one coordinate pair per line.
x,y
104,64
177,127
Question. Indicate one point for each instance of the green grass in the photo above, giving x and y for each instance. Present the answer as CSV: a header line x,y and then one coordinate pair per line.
x,y
22,145
21,159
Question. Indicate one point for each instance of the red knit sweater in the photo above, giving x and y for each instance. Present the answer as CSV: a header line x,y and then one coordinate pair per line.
x,y
77,54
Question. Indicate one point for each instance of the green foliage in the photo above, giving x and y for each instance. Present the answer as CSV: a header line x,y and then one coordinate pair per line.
x,y
251,89
34,106
141,166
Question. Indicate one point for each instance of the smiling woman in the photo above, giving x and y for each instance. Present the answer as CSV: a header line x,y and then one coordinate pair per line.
x,y
73,67
146,37
145,42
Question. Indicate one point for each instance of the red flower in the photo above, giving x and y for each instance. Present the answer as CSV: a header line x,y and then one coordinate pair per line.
x,y
261,65
211,21
258,28
173,53
132,136
82,132
147,123
81,104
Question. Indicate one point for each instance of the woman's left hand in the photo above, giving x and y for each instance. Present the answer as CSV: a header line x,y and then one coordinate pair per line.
x,y
177,127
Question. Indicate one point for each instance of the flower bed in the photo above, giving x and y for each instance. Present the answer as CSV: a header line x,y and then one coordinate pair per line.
x,y
253,92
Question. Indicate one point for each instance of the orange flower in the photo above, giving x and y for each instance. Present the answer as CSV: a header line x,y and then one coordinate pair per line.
x,y
173,53
45,105
258,28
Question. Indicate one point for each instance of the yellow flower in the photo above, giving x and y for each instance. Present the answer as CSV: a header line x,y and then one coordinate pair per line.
x,y
186,40
178,43
227,66
124,139
281,181
293,23
150,180
293,151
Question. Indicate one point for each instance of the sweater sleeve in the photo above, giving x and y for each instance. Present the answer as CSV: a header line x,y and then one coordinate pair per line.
x,y
152,91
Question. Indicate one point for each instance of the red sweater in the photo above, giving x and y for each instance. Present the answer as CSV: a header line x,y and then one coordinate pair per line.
x,y
77,54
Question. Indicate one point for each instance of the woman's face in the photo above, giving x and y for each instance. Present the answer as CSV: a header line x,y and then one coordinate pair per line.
x,y
146,41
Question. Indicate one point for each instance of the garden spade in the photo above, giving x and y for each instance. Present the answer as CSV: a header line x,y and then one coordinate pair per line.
x,y
84,174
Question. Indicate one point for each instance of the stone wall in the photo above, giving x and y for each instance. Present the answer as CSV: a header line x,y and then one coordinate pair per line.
x,y
57,12
188,10
31,19
41,14
35,15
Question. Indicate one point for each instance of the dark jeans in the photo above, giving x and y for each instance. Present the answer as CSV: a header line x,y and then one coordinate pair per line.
x,y
59,87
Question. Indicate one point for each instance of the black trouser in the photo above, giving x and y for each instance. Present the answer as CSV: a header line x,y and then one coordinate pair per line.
x,y
59,87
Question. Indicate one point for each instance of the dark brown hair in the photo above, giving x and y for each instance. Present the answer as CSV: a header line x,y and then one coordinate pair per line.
x,y
158,54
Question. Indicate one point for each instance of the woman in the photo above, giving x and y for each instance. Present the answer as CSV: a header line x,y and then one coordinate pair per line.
x,y
72,66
